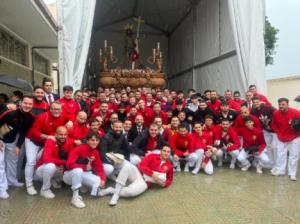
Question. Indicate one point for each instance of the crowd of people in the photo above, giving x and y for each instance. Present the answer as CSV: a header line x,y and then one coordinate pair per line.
x,y
139,138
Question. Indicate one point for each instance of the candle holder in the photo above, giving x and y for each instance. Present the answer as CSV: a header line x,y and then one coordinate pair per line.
x,y
105,56
156,58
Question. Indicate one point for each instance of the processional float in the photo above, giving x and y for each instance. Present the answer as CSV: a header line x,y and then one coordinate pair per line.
x,y
134,77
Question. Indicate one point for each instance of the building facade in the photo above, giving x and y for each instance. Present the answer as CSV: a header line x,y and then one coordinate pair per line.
x,y
28,41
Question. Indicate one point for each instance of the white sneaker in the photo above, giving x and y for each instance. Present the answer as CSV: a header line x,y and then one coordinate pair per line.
x,y
114,200
77,202
186,168
47,194
31,190
245,168
293,178
275,172
55,184
259,169
232,165
106,191
4,194
178,168
195,171
220,163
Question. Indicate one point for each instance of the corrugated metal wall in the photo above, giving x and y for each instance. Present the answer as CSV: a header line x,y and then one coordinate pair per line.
x,y
202,50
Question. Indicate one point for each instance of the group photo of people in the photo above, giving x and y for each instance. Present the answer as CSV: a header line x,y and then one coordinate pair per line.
x,y
120,142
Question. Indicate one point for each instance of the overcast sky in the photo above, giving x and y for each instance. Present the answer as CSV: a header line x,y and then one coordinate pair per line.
x,y
285,15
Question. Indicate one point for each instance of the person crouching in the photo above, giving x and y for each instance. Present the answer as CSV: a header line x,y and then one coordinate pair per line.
x,y
253,145
84,167
50,166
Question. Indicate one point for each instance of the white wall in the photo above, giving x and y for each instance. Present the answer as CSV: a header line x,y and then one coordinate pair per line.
x,y
284,87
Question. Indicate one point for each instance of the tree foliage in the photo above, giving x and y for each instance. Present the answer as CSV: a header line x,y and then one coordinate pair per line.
x,y
270,41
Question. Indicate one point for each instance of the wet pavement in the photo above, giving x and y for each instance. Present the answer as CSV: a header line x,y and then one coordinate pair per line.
x,y
229,196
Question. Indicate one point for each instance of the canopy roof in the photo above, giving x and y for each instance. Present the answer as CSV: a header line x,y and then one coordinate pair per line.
x,y
161,17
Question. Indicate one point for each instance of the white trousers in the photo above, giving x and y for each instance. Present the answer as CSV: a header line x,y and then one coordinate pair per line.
x,y
77,177
46,172
135,159
271,141
293,147
209,168
262,157
194,159
32,151
3,180
234,154
130,174
11,162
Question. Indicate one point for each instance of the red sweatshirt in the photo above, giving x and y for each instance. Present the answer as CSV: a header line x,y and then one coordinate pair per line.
x,y
166,134
201,141
211,130
51,152
70,108
234,105
181,144
163,115
84,151
229,137
39,107
147,114
153,162
78,131
215,106
253,137
239,122
46,124
281,124
263,99
151,144
112,107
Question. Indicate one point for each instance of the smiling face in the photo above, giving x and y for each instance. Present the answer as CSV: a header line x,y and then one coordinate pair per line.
x,y
56,109
165,153
93,142
283,106
61,134
39,94
153,130
81,117
48,87
118,127
26,104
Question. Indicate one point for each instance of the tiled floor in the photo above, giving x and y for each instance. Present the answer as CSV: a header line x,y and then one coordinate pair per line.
x,y
229,196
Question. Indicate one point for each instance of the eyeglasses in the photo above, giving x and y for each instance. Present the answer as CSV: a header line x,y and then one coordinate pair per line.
x,y
55,109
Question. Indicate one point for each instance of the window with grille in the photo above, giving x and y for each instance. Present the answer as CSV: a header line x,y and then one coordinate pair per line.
x,y
41,64
12,48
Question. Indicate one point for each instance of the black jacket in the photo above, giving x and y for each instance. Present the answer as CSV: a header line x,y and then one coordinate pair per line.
x,y
200,115
55,97
140,143
112,142
133,133
19,122
231,116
